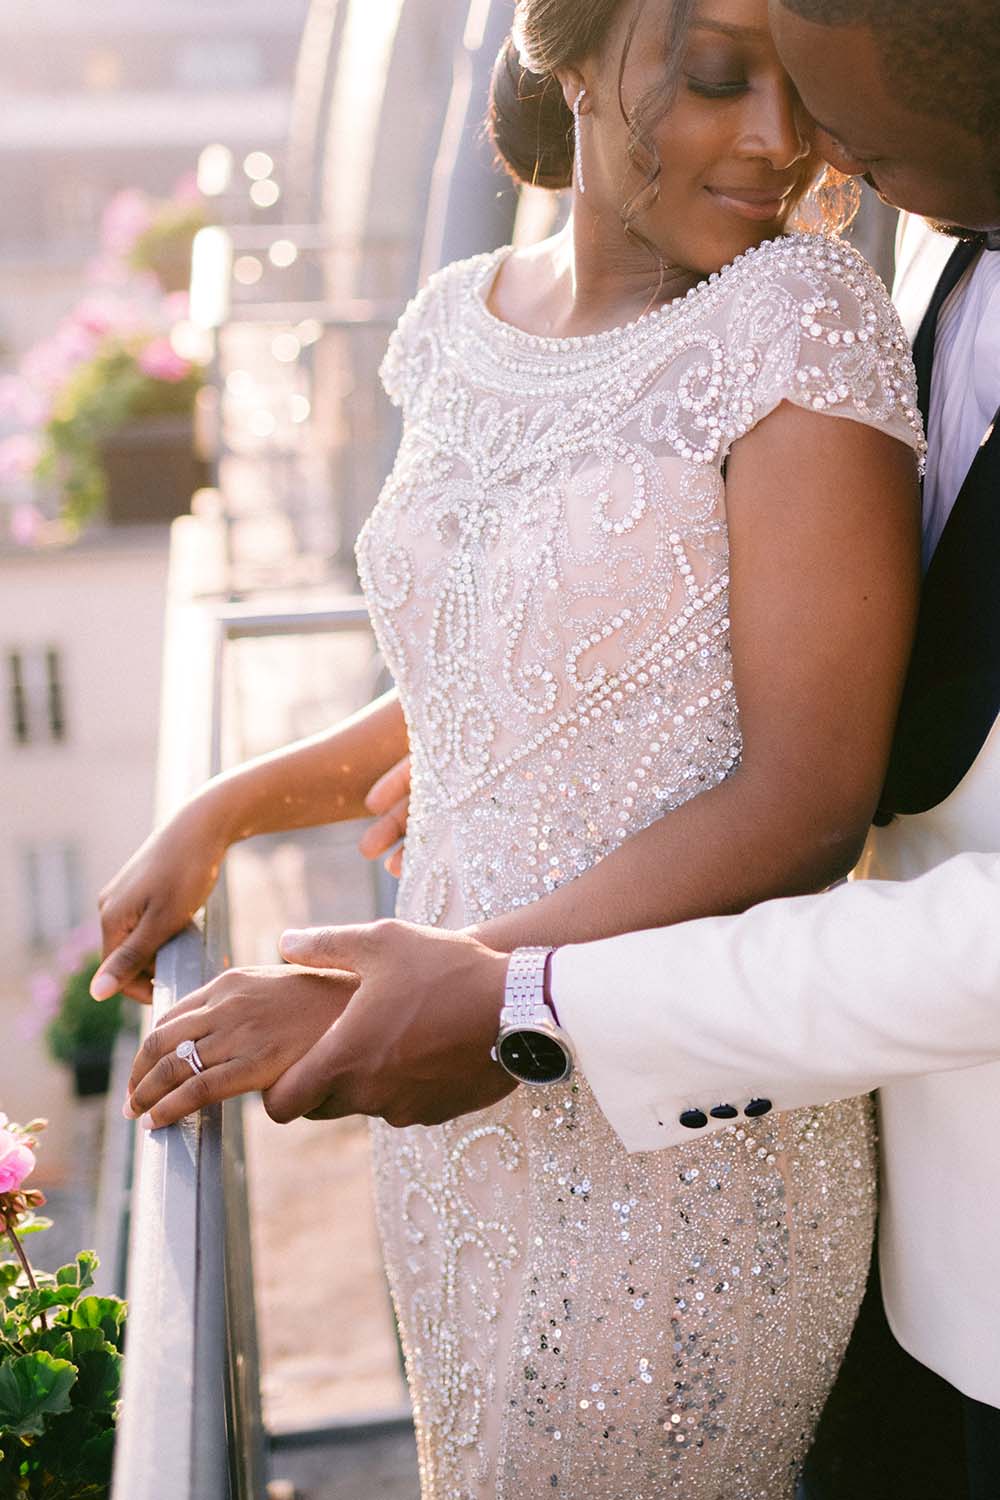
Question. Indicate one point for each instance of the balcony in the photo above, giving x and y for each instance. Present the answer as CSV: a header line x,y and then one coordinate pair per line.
x,y
228,1194
262,1354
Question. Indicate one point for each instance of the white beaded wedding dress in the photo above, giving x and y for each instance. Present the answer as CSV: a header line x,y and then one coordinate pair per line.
x,y
546,569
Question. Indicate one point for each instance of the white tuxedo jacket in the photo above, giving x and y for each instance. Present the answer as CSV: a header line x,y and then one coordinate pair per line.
x,y
879,984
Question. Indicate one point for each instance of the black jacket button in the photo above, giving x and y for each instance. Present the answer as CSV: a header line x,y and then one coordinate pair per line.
x,y
723,1112
694,1119
758,1107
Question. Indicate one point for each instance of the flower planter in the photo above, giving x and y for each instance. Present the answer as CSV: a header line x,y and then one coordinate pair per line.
x,y
91,1072
151,470
171,265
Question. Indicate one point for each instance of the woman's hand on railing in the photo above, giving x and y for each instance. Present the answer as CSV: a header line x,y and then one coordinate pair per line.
x,y
389,803
155,895
249,1027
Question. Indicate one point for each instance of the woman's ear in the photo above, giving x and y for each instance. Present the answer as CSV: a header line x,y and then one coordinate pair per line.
x,y
573,84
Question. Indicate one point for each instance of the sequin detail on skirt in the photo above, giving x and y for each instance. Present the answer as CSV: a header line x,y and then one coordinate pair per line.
x,y
547,570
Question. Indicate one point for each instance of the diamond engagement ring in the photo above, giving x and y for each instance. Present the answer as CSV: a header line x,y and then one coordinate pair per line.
x,y
189,1052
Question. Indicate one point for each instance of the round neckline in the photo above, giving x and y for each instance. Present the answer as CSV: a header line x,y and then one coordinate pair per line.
x,y
484,283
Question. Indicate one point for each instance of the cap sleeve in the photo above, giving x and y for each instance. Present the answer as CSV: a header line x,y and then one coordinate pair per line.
x,y
414,350
397,371
817,327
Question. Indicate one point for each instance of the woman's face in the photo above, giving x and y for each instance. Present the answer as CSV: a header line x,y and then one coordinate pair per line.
x,y
735,145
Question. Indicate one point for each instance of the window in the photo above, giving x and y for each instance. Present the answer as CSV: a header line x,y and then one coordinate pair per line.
x,y
53,892
35,684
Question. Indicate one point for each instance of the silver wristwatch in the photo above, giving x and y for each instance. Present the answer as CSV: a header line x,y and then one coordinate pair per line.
x,y
531,1045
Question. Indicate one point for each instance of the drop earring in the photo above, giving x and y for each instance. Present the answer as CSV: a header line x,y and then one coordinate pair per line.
x,y
578,140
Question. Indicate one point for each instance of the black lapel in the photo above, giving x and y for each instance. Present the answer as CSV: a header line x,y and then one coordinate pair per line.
x,y
958,263
952,694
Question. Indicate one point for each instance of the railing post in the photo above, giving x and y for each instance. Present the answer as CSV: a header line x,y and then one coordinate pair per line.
x,y
172,1439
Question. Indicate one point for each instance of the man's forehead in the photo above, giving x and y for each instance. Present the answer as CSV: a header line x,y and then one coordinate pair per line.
x,y
837,69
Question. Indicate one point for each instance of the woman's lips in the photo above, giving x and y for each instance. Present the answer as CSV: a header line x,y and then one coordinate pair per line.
x,y
750,203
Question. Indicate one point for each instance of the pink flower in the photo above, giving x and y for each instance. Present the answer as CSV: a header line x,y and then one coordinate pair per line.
x,y
160,361
186,189
77,945
127,216
45,995
25,525
177,306
18,455
48,365
10,395
17,1161
92,315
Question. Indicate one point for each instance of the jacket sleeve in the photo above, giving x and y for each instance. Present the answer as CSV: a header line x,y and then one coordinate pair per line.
x,y
797,1002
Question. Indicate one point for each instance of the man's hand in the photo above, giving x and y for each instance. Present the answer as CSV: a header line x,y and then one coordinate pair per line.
x,y
414,1044
389,803
250,1025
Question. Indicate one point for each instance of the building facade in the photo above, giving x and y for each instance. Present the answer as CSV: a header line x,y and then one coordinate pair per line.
x,y
117,94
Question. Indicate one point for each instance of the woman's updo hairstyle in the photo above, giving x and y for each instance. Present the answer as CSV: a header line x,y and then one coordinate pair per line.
x,y
530,122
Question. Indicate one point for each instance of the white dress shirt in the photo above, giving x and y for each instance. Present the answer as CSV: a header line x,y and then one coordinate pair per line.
x,y
965,391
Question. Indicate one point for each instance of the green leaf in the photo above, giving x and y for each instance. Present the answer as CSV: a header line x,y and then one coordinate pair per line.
x,y
56,1341
30,1304
33,1224
95,1458
9,1272
105,1313
81,1273
32,1388
86,1340
100,1380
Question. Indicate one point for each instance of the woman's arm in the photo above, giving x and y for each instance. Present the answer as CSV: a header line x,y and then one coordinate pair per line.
x,y
824,533
322,779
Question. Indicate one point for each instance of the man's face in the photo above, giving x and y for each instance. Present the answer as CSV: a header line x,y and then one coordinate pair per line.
x,y
925,163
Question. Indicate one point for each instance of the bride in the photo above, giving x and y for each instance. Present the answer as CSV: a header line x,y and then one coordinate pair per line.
x,y
645,572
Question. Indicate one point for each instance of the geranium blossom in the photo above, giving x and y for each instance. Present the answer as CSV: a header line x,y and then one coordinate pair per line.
x,y
127,216
18,456
25,525
161,361
17,1161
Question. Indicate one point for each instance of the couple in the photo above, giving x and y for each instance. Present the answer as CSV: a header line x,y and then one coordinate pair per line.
x,y
647,575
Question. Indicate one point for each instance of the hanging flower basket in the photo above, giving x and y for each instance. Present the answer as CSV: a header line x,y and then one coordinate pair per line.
x,y
119,441
151,470
81,1034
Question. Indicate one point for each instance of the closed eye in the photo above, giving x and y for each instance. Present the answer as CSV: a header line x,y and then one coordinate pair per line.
x,y
709,90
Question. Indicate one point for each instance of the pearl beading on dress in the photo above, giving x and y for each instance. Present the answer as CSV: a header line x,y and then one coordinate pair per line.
x,y
548,575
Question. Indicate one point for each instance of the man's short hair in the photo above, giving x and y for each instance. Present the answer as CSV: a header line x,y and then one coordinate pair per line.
x,y
939,55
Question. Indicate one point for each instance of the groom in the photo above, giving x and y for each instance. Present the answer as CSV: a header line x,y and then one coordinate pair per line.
x,y
880,984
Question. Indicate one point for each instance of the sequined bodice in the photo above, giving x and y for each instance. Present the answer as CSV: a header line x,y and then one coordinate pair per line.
x,y
547,574
546,566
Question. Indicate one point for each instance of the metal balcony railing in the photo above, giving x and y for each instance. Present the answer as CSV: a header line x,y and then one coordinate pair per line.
x,y
191,1425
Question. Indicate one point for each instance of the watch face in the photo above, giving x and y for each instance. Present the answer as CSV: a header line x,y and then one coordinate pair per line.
x,y
534,1057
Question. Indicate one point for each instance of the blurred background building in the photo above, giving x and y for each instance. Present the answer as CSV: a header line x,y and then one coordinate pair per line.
x,y
99,99
116,94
